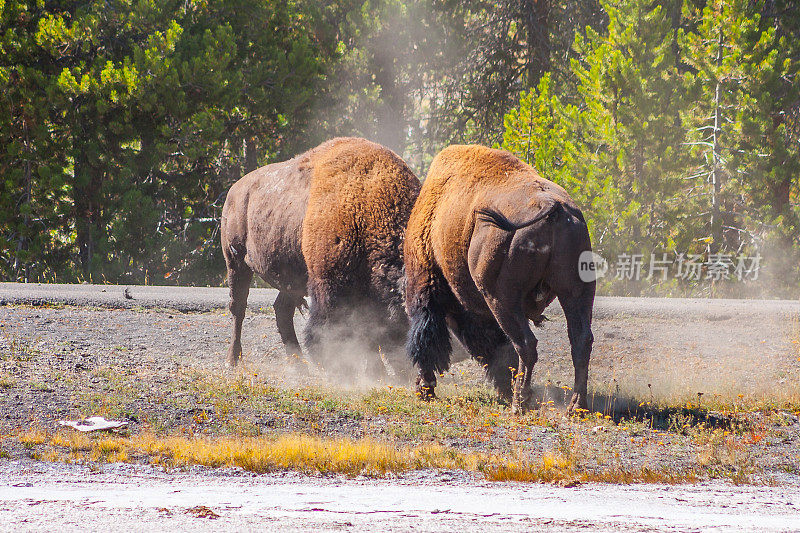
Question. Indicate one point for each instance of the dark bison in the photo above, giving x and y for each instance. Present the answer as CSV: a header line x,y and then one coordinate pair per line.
x,y
489,245
328,223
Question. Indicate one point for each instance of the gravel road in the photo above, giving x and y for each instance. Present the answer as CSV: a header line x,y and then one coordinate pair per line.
x,y
185,299
198,299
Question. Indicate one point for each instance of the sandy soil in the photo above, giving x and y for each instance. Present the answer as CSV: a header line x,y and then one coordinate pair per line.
x,y
35,496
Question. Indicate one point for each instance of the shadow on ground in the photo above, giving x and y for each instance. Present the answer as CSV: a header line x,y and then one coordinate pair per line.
x,y
620,408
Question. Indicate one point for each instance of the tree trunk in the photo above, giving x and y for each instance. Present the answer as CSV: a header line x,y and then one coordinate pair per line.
x,y
83,216
716,171
781,192
391,122
21,265
250,155
535,18
86,191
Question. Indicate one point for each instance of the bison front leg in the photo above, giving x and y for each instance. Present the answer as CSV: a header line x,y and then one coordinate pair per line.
x,y
428,345
322,303
490,347
239,279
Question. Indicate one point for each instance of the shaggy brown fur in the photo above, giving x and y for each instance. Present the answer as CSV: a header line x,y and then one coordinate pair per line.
x,y
489,245
328,223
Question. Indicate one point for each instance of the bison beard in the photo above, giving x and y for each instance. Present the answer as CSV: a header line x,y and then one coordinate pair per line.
x,y
469,267
328,223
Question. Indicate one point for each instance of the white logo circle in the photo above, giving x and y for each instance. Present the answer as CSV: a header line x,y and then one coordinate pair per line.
x,y
591,266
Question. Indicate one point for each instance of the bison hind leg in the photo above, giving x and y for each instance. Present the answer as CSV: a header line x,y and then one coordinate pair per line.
x,y
578,312
239,277
487,344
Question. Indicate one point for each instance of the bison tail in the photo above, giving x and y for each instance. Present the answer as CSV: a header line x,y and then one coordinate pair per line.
x,y
428,342
499,220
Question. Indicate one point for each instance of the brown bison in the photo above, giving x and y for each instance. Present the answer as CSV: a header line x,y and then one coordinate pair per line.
x,y
489,245
328,223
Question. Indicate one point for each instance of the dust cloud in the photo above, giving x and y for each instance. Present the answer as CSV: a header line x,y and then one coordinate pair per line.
x,y
357,351
670,352
647,352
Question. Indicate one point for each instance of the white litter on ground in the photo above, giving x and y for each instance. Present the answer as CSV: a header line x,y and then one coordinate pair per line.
x,y
93,423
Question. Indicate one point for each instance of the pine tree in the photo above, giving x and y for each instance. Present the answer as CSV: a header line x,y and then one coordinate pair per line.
x,y
631,94
743,85
138,116
34,200
545,133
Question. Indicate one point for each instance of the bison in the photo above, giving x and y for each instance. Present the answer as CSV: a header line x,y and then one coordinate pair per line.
x,y
489,245
328,224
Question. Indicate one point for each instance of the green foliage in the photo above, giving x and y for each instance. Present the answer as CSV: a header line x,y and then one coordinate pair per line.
x,y
675,124
547,133
746,75
634,145
123,117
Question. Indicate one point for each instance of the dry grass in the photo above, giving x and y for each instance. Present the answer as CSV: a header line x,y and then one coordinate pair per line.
x,y
311,429
7,381
263,454
308,454
561,470
403,435
313,455
33,437
724,454
551,468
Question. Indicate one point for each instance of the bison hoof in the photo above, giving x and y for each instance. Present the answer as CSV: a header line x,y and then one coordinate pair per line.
x,y
505,395
233,357
294,351
577,404
425,390
520,408
521,405
426,393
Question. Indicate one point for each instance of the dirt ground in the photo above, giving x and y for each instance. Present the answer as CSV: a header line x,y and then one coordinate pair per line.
x,y
702,390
